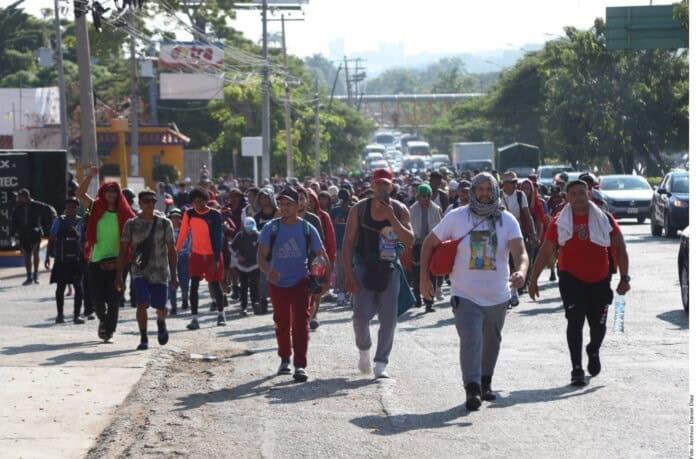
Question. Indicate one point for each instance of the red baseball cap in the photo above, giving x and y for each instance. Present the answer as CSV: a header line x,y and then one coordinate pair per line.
x,y
382,175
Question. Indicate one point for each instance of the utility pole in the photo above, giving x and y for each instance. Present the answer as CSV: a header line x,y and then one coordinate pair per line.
x,y
333,88
61,79
288,120
317,129
348,89
134,104
88,129
266,99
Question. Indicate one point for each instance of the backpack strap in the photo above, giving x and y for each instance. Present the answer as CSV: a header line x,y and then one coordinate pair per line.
x,y
275,228
308,239
519,199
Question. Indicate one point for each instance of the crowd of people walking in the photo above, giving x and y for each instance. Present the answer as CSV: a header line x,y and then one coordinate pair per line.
x,y
364,241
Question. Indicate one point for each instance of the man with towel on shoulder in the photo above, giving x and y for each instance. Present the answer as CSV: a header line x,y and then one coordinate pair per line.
x,y
585,236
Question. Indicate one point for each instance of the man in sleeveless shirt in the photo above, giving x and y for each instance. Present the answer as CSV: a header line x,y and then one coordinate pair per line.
x,y
375,226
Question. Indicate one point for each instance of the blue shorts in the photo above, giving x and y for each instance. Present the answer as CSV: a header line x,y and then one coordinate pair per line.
x,y
154,295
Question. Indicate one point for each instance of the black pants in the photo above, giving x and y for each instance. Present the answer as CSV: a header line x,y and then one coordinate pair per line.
x,y
583,300
215,289
105,299
60,297
86,295
249,282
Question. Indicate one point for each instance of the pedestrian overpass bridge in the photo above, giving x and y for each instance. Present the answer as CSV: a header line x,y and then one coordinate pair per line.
x,y
406,110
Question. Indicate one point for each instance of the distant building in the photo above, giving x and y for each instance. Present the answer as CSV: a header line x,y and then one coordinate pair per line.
x,y
30,118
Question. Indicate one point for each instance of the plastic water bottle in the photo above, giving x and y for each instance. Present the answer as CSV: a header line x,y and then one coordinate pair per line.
x,y
619,308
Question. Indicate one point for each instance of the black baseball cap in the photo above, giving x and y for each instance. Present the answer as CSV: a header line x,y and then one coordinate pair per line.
x,y
289,193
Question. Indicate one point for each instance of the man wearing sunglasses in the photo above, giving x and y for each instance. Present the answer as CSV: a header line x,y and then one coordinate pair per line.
x,y
150,239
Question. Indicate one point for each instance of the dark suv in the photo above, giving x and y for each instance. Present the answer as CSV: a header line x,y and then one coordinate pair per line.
x,y
670,204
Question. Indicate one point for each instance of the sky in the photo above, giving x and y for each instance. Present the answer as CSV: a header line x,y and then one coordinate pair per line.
x,y
336,27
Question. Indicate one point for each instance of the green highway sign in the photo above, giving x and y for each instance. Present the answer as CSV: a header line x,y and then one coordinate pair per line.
x,y
645,27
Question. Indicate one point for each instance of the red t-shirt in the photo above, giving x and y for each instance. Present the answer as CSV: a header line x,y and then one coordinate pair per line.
x,y
580,257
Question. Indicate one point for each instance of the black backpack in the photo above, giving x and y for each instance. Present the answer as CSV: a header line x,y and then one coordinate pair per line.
x,y
68,247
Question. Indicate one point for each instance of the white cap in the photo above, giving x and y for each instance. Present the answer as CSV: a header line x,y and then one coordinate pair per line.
x,y
453,184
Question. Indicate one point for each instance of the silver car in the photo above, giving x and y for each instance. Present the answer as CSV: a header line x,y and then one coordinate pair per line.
x,y
627,196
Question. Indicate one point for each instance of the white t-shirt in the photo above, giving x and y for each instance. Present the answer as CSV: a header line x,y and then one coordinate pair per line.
x,y
481,272
510,203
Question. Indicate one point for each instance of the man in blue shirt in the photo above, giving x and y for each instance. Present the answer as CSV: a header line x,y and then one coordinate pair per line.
x,y
283,256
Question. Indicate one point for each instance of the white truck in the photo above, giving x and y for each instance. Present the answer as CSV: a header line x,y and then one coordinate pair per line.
x,y
473,156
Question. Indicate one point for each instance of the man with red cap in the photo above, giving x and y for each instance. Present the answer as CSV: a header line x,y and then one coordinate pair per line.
x,y
375,227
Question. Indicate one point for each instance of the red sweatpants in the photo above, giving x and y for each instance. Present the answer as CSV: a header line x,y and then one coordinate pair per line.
x,y
291,317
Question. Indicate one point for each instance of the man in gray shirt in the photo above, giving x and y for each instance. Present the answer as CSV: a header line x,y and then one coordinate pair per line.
x,y
154,264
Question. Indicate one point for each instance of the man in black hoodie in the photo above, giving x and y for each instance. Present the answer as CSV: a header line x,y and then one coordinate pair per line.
x,y
30,219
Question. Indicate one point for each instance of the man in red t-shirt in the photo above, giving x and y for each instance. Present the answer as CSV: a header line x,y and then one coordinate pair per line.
x,y
584,276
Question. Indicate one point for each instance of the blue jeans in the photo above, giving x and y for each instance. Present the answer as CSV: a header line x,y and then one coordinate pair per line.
x,y
183,277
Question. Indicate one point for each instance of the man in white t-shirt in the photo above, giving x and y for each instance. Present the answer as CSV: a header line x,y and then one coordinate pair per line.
x,y
481,280
516,203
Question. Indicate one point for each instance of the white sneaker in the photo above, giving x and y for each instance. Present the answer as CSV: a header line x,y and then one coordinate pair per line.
x,y
438,294
364,363
381,370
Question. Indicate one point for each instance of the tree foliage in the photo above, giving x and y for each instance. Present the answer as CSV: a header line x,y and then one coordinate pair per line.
x,y
583,103
216,125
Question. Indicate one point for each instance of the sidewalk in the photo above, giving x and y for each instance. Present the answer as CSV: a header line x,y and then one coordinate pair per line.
x,y
60,384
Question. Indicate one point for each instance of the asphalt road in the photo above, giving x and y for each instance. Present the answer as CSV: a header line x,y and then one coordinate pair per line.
x,y
235,406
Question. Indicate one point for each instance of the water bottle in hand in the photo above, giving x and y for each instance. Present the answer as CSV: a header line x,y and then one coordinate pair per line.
x,y
619,308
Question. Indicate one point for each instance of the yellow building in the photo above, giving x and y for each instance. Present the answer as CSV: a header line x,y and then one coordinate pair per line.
x,y
157,145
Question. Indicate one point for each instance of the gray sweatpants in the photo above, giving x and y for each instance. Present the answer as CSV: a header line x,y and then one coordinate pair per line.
x,y
367,304
480,332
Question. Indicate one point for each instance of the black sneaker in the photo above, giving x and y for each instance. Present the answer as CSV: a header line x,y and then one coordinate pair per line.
x,y
27,282
486,391
184,305
90,317
78,321
429,307
473,397
60,319
193,325
313,324
162,334
221,320
142,347
284,368
552,278
172,312
594,366
514,302
577,378
101,331
300,375
243,312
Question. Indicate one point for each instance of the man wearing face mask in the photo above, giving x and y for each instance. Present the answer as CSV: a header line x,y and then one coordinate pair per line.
x,y
370,262
481,280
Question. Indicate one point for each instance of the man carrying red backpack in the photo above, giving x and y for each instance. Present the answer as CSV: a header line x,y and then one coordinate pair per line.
x,y
481,280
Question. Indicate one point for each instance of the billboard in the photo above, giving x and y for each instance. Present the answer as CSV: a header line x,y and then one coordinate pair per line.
x,y
191,86
190,56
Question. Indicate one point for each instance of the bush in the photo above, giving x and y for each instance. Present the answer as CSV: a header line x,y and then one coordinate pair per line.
x,y
164,172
